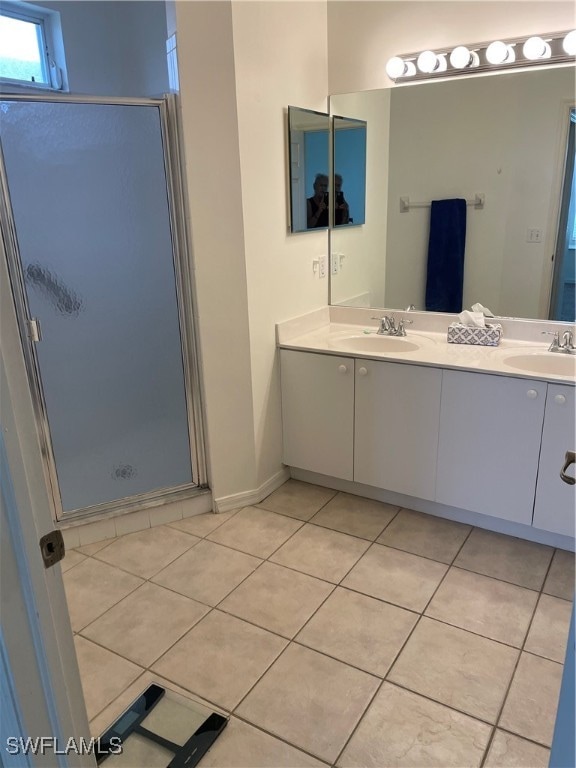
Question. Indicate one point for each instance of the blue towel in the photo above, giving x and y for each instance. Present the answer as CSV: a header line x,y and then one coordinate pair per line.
x,y
445,276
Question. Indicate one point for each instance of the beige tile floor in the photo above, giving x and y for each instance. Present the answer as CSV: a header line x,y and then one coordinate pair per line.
x,y
333,630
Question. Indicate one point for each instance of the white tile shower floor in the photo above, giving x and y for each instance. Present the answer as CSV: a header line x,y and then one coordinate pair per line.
x,y
334,630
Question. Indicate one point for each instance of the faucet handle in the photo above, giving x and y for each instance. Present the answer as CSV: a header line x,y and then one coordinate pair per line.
x,y
401,331
384,323
555,341
410,308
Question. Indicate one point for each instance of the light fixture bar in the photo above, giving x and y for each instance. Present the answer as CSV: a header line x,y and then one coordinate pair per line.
x,y
504,54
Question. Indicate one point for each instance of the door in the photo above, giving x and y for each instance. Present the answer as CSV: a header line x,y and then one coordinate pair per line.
x,y
396,427
39,679
318,412
86,196
555,501
489,444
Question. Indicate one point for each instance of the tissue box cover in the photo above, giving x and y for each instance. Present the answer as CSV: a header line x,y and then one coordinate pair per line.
x,y
488,336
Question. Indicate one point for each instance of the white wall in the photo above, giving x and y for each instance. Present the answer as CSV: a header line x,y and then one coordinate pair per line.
x,y
211,145
250,273
275,69
114,48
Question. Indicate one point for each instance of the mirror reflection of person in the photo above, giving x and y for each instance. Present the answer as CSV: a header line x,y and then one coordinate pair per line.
x,y
341,209
317,205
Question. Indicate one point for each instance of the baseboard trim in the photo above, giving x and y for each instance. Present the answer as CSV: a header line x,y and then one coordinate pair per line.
x,y
247,498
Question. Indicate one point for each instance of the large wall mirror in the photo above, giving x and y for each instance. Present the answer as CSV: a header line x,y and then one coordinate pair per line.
x,y
309,157
507,138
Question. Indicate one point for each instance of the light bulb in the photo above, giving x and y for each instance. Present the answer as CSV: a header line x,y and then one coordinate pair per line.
x,y
396,67
569,43
428,62
461,57
500,53
536,48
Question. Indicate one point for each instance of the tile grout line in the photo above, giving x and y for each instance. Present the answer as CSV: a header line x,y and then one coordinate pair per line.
x,y
513,675
400,650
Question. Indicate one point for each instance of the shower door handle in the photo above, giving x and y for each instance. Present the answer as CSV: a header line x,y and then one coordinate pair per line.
x,y
34,330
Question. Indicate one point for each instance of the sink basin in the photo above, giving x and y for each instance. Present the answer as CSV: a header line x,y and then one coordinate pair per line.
x,y
543,362
373,344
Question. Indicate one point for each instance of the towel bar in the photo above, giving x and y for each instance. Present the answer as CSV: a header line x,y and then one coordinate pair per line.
x,y
406,204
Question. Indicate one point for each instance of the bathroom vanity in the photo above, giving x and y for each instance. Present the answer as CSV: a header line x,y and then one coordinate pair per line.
x,y
477,434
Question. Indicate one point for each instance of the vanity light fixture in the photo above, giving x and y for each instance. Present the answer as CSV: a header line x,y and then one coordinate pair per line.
x,y
397,67
500,53
462,58
536,48
429,62
539,50
569,43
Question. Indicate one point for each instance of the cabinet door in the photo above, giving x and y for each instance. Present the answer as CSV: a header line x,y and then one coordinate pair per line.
x,y
396,434
555,500
318,412
490,428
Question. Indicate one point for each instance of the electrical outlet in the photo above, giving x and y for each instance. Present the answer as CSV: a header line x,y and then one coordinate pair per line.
x,y
322,266
334,263
533,235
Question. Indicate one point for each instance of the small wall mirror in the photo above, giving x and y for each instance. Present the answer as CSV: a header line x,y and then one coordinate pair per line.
x,y
349,171
309,142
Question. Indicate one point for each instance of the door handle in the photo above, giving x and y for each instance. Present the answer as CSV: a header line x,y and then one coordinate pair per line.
x,y
570,459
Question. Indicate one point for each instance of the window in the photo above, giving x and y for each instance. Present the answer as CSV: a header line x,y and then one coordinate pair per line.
x,y
25,46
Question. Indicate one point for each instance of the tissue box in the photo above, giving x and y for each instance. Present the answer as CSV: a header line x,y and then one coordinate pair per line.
x,y
489,336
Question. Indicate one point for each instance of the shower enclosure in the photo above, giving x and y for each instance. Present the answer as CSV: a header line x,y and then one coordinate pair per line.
x,y
92,224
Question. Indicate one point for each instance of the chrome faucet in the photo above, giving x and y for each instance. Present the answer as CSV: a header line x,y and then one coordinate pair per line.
x,y
566,345
388,326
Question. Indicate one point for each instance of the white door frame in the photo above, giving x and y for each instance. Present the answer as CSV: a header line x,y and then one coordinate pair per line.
x,y
38,659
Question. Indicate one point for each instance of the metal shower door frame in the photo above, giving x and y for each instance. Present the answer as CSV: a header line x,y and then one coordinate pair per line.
x,y
183,275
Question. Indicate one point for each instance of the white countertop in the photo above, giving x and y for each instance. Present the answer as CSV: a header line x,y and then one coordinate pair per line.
x,y
316,332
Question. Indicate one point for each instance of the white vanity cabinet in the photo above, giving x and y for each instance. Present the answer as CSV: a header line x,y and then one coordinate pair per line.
x,y
554,509
479,442
489,444
397,412
318,412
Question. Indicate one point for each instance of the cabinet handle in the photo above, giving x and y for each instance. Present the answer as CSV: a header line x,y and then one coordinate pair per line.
x,y
342,369
532,394
560,399
570,458
362,371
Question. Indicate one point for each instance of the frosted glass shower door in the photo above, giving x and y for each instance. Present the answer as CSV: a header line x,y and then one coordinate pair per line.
x,y
87,185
